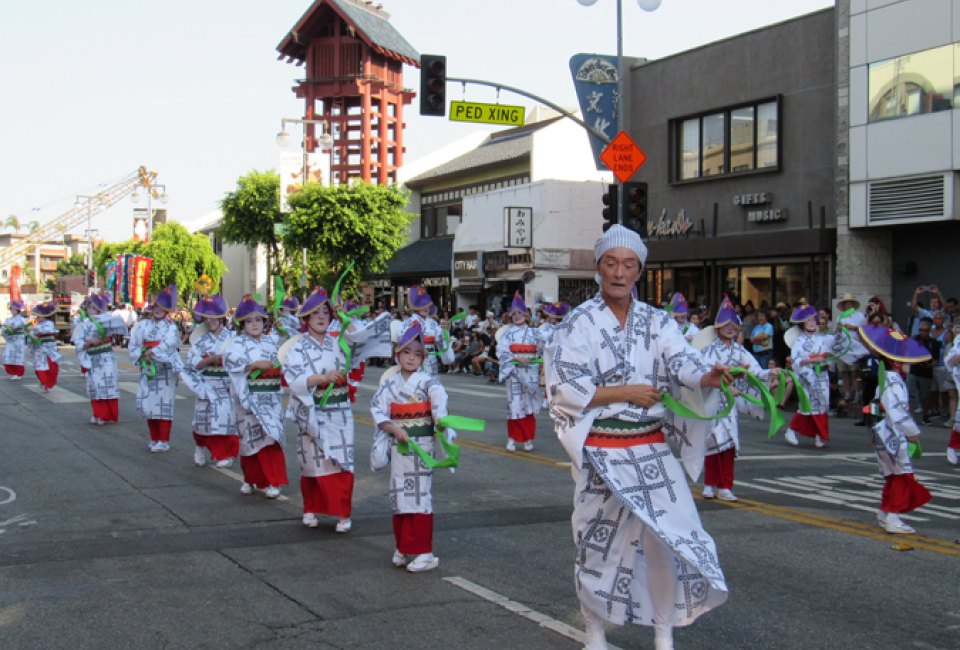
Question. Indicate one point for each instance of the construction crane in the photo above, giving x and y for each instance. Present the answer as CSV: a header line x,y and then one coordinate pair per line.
x,y
94,205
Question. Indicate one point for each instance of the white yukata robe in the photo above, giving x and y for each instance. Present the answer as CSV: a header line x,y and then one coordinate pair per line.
x,y
725,432
890,434
816,385
100,360
213,411
156,397
852,348
633,503
410,480
291,324
953,353
47,350
259,413
522,381
689,330
14,332
434,342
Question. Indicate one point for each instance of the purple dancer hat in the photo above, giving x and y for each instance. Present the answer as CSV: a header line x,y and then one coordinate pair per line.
x,y
419,298
518,304
100,300
893,344
247,308
16,304
803,313
292,303
726,314
413,333
314,301
45,309
167,299
678,304
211,307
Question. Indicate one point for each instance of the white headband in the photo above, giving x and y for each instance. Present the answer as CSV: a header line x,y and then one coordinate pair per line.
x,y
620,237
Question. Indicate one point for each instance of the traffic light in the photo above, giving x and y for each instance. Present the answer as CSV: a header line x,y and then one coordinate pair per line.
x,y
433,85
635,207
610,208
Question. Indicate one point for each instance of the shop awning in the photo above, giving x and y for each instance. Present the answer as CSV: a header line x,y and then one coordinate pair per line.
x,y
424,257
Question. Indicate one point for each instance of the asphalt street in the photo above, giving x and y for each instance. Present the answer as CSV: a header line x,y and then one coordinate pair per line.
x,y
103,544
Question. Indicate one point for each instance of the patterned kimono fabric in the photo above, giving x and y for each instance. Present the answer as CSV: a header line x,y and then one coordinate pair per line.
x,y
14,331
643,556
901,491
724,441
522,381
434,341
214,418
290,323
415,405
46,357
258,410
816,422
954,442
101,362
156,395
82,357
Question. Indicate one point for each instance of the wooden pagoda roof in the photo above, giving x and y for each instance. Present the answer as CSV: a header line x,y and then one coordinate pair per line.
x,y
368,20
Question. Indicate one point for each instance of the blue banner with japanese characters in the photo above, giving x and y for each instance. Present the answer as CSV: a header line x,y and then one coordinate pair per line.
x,y
595,77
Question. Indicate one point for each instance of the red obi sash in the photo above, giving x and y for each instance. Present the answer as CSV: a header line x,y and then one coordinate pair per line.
x,y
613,433
149,345
415,418
268,381
339,394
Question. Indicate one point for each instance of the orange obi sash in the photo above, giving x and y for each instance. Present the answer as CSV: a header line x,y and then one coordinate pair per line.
x,y
339,394
415,418
268,381
614,433
149,345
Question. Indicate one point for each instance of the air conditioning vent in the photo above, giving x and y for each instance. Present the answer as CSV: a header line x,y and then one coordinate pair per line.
x,y
920,197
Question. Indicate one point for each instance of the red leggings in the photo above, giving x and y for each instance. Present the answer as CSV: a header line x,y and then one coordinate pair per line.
x,y
328,495
902,493
414,533
48,378
14,371
221,447
265,468
718,469
107,410
160,430
523,429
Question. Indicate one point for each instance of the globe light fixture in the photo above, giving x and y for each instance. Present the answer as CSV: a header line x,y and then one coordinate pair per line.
x,y
647,5
283,139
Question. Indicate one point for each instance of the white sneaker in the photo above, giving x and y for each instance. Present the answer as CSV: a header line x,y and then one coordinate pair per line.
x,y
709,492
399,559
226,462
819,443
882,519
154,446
726,495
162,446
246,489
511,445
528,446
423,562
898,527
951,456
344,526
93,420
310,520
198,457
272,492
791,438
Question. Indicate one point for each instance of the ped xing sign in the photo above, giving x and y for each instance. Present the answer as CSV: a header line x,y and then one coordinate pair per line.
x,y
486,113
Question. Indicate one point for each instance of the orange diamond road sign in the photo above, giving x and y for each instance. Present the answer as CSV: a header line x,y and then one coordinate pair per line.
x,y
623,156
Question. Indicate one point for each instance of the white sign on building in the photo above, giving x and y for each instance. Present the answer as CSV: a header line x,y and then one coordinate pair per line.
x,y
518,227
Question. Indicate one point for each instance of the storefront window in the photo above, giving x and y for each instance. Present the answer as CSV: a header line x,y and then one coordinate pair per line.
x,y
690,149
767,130
793,283
913,84
714,152
741,139
755,286
575,291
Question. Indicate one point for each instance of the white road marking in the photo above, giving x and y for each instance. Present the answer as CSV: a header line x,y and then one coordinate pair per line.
x,y
19,520
59,395
810,456
11,495
522,610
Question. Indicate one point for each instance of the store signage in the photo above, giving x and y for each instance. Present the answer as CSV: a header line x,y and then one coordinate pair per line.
x,y
468,264
494,261
551,258
664,227
763,214
758,216
379,284
486,113
518,227
758,198
440,281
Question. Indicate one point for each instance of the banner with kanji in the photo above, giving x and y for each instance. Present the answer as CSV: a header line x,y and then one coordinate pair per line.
x,y
141,282
14,282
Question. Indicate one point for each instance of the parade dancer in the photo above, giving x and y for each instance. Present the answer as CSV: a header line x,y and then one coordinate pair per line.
x,y
408,405
214,417
287,324
252,364
723,445
643,556
93,337
952,362
14,332
43,339
555,313
438,347
520,352
680,310
896,434
808,352
316,367
75,331
154,347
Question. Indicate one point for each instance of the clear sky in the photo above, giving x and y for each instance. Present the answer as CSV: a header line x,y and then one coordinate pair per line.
x,y
193,88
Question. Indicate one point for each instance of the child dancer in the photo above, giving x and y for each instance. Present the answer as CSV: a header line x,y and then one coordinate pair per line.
x,y
438,349
808,352
46,357
520,351
894,434
680,310
154,346
251,362
214,418
407,406
952,362
14,331
724,441
94,340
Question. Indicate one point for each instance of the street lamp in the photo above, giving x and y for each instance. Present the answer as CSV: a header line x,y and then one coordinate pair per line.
x,y
325,141
153,191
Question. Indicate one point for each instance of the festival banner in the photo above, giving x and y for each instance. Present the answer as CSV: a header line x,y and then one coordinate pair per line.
x,y
15,282
111,275
118,285
130,270
143,266
596,80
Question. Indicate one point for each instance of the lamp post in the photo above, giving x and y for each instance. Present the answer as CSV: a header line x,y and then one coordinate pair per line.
x,y
623,99
326,144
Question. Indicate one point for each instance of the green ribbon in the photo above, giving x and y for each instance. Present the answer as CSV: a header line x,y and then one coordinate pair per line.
x,y
452,449
803,399
766,400
30,335
881,376
279,293
149,368
446,334
100,331
256,373
532,361
914,450
344,319
679,408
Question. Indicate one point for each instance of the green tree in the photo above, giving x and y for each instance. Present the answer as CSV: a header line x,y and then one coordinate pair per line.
x,y
249,213
359,223
75,265
179,257
12,222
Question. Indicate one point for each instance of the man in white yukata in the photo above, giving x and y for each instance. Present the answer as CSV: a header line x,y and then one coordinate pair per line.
x,y
15,334
520,353
642,554
155,347
439,348
214,417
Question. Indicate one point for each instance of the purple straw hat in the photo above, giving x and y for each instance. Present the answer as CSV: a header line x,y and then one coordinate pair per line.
x,y
314,301
16,304
893,344
167,299
292,303
211,307
518,304
803,313
678,304
419,298
247,308
412,333
726,314
45,309
100,300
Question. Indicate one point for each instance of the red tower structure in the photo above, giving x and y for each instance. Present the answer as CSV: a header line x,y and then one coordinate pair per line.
x,y
354,61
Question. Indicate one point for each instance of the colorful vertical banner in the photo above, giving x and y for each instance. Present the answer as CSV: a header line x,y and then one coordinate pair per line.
x,y
15,282
595,78
129,275
111,275
142,281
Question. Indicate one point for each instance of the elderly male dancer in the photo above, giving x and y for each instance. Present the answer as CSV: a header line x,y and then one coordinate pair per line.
x,y
642,554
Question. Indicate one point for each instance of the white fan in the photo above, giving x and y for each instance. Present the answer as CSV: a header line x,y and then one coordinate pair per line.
x,y
704,337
